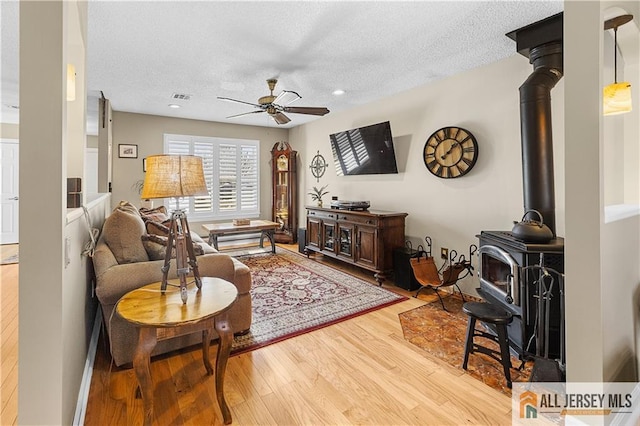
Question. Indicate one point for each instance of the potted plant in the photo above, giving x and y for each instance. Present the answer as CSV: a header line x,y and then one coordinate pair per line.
x,y
316,194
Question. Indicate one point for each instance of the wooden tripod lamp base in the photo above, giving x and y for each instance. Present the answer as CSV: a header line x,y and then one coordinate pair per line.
x,y
180,236
176,176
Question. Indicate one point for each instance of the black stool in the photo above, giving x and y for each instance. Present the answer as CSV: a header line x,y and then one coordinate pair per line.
x,y
489,314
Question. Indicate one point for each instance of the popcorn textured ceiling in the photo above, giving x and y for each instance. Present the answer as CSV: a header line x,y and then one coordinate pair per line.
x,y
140,53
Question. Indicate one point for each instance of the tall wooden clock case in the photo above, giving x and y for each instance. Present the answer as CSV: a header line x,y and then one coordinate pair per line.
x,y
285,192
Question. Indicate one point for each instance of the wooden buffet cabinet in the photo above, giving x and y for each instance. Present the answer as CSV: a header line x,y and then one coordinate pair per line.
x,y
362,238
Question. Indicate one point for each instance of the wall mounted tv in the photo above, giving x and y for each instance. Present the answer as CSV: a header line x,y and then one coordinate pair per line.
x,y
364,151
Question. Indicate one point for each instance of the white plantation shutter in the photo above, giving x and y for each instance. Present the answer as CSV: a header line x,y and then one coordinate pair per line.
x,y
177,145
228,178
204,203
249,177
231,169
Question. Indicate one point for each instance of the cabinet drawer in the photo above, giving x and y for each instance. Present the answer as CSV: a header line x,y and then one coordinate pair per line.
x,y
316,214
361,220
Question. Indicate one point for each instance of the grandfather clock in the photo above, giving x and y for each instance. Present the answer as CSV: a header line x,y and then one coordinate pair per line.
x,y
285,192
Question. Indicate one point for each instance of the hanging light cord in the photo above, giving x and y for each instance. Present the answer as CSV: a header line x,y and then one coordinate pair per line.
x,y
615,54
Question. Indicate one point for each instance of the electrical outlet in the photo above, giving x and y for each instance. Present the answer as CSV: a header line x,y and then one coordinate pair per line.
x,y
444,253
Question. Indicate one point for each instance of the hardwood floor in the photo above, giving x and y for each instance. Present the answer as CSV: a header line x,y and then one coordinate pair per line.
x,y
9,344
359,371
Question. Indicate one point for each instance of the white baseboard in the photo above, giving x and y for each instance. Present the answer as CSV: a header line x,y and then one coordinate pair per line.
x,y
85,385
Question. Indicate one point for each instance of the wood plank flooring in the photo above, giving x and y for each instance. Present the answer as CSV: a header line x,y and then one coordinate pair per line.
x,y
360,371
9,344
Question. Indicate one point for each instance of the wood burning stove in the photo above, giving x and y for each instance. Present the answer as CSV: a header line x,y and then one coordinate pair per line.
x,y
506,281
508,276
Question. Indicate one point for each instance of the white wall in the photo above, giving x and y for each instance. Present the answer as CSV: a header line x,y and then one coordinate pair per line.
x,y
9,131
79,303
484,101
602,270
50,351
620,239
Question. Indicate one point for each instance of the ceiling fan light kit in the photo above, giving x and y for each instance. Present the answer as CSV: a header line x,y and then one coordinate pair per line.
x,y
276,106
616,97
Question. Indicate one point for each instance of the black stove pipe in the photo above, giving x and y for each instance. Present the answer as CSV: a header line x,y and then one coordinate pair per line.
x,y
535,131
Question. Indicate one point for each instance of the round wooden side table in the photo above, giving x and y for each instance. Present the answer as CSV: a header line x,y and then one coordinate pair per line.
x,y
161,316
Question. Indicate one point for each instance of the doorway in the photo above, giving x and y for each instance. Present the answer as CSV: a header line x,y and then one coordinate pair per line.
x,y
9,200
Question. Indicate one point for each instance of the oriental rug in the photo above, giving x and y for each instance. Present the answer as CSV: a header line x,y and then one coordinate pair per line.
x,y
292,295
8,254
442,334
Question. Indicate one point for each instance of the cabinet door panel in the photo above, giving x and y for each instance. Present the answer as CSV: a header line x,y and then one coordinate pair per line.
x,y
329,238
314,233
366,245
345,236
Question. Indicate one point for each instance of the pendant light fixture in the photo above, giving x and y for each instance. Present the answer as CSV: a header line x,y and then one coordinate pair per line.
x,y
616,97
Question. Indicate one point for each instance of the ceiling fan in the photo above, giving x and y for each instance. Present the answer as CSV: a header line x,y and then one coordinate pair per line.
x,y
276,106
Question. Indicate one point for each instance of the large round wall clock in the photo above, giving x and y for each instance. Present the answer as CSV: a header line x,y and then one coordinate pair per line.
x,y
450,152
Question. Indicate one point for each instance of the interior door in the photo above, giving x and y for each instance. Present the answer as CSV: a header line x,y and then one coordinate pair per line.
x,y
8,191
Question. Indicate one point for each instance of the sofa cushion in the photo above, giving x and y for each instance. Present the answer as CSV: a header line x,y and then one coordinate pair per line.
x,y
156,247
122,231
197,240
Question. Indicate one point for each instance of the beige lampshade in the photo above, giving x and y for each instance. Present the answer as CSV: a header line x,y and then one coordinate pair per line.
x,y
616,98
173,176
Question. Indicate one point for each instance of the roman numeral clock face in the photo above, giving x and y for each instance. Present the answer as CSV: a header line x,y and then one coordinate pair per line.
x,y
450,152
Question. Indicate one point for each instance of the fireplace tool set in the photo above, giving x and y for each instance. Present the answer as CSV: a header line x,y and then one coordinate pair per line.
x,y
430,276
546,280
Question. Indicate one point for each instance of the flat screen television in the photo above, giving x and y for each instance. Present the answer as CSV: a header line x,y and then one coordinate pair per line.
x,y
364,150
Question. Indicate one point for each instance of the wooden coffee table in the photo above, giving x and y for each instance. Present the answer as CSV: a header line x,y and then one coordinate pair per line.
x,y
265,227
161,316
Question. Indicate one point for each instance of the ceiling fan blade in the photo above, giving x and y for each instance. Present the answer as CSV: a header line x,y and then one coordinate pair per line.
x,y
286,97
307,110
242,102
280,118
245,113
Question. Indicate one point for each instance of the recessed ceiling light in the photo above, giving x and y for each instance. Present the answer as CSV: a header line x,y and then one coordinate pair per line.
x,y
174,106
338,92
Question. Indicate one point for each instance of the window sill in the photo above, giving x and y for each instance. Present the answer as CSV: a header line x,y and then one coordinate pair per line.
x,y
617,212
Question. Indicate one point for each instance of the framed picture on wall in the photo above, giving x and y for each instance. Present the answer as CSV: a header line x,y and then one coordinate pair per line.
x,y
144,164
127,151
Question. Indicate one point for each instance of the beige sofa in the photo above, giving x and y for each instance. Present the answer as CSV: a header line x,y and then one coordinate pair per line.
x,y
122,263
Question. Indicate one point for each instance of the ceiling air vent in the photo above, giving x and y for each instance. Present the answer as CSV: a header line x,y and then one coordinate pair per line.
x,y
180,97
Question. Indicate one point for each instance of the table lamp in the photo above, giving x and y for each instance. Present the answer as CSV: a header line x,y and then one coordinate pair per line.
x,y
176,176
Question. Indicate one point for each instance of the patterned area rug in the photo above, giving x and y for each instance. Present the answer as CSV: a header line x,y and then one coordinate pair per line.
x,y
293,295
8,254
443,333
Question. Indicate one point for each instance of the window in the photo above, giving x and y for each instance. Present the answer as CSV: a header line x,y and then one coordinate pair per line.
x,y
231,170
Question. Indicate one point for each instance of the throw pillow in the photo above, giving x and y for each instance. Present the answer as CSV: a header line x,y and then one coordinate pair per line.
x,y
158,214
122,231
127,207
156,247
156,228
